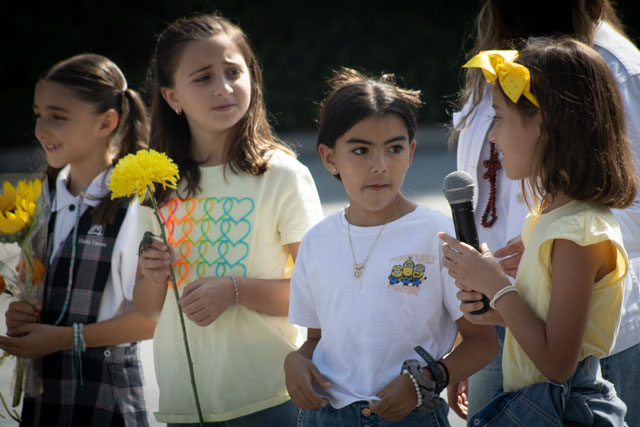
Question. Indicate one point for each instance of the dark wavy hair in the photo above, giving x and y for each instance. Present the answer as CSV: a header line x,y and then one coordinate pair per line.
x,y
250,138
583,150
355,97
98,81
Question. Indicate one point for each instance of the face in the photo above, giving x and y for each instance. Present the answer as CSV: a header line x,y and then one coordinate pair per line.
x,y
68,129
515,136
372,159
212,86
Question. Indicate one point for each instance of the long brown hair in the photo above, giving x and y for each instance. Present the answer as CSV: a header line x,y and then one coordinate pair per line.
x,y
250,138
506,24
583,150
98,81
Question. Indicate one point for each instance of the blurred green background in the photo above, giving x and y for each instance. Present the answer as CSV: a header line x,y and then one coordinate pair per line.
x,y
297,42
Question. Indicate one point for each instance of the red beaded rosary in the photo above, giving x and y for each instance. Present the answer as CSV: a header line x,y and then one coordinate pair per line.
x,y
492,165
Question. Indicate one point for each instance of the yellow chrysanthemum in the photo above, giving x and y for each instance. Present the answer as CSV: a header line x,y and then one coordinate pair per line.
x,y
17,205
137,173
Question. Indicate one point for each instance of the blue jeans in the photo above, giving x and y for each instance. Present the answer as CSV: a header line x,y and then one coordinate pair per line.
x,y
352,415
586,399
283,415
623,370
484,384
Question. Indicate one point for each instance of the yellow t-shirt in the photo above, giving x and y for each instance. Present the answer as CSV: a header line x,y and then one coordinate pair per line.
x,y
237,225
585,224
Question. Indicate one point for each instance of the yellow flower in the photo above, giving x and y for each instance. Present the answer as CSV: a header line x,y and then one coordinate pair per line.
x,y
18,204
136,173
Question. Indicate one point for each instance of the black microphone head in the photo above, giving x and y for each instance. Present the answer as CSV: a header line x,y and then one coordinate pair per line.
x,y
458,187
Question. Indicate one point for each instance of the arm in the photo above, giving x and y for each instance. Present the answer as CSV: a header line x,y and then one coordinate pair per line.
x,y
205,299
554,345
35,340
300,374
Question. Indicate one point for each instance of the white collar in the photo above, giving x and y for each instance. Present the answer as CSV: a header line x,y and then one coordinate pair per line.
x,y
96,190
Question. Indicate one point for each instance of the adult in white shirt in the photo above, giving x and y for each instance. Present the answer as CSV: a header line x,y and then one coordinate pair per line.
x,y
500,207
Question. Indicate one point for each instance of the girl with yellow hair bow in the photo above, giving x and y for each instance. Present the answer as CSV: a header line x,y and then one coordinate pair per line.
x,y
559,125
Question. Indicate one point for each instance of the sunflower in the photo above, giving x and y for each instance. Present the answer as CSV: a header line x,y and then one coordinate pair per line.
x,y
18,204
137,173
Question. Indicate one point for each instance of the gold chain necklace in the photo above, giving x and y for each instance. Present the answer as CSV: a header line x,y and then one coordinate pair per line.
x,y
358,268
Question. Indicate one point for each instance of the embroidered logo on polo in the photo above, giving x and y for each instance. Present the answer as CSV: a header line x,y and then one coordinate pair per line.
x,y
95,230
209,235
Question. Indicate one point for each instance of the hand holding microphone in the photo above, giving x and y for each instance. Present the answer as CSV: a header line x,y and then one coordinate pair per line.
x,y
458,188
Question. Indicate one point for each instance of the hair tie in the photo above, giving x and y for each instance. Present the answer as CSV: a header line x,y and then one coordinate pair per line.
x,y
124,89
515,79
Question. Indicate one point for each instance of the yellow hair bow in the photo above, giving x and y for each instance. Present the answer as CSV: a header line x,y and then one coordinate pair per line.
x,y
515,79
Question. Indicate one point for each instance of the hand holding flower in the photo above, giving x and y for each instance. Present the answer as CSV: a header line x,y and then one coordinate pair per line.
x,y
154,262
21,313
36,340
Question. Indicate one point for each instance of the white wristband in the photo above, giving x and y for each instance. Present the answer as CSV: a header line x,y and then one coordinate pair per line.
x,y
501,292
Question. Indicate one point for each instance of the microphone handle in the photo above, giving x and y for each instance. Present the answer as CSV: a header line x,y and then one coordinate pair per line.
x,y
465,226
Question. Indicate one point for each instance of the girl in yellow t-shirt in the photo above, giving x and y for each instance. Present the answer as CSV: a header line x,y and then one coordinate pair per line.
x,y
234,224
559,125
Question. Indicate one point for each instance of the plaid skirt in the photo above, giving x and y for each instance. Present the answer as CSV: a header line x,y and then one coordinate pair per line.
x,y
112,393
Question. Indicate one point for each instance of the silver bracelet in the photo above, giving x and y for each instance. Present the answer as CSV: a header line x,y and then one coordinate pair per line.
x,y
501,292
415,385
235,289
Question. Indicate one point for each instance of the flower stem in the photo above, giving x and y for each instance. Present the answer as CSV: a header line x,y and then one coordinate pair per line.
x,y
177,295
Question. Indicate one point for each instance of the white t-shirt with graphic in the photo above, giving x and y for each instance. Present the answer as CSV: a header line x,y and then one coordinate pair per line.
x,y
371,326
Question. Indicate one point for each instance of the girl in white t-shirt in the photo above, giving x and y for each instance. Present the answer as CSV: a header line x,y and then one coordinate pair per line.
x,y
368,281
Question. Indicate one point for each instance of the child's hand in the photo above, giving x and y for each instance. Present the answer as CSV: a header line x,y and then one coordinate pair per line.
x,y
35,340
397,399
205,299
457,398
471,269
300,373
154,262
21,313
511,255
489,317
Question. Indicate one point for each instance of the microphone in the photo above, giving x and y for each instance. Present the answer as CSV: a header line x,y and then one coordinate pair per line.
x,y
458,189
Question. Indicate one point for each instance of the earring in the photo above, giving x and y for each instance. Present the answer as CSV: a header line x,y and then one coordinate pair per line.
x,y
178,110
334,170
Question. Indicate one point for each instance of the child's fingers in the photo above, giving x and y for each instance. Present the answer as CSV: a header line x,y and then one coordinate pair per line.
x,y
318,377
380,406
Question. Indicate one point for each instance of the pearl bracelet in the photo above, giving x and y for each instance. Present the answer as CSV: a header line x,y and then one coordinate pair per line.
x,y
501,292
415,385
235,289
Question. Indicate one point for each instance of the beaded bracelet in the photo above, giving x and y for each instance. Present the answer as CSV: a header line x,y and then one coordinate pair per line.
x,y
78,346
500,293
235,289
415,385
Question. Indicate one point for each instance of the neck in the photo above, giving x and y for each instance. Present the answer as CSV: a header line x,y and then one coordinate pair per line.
x,y
81,175
394,210
551,203
209,149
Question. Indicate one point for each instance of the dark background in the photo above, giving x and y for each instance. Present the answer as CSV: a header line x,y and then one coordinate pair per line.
x,y
298,44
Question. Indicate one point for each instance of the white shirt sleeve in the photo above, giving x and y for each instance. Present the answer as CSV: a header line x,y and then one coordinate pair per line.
x,y
629,218
302,310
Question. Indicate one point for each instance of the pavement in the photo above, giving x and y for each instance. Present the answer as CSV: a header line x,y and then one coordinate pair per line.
x,y
423,184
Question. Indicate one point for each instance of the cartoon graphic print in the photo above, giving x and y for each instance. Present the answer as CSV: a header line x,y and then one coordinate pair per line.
x,y
407,273
394,277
